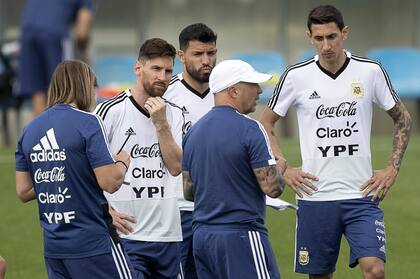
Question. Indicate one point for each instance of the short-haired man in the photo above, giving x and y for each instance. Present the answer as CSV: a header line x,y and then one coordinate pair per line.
x,y
228,167
337,191
142,123
190,91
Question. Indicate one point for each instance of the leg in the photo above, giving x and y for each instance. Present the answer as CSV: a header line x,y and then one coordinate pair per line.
x,y
39,102
372,268
186,246
318,237
3,266
165,260
365,232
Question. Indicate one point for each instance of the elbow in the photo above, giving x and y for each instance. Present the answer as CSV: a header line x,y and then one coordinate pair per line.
x,y
276,191
175,169
111,185
24,197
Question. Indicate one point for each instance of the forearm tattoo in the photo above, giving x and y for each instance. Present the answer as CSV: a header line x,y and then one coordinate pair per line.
x,y
401,134
270,180
188,186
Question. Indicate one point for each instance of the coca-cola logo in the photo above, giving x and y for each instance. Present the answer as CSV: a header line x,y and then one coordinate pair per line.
x,y
54,175
152,151
342,110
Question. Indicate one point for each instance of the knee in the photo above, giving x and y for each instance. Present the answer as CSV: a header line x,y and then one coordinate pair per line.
x,y
374,272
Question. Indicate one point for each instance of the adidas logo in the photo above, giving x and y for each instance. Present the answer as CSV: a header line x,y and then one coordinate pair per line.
x,y
130,132
314,95
47,150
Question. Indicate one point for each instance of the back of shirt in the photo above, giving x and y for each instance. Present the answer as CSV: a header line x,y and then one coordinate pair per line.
x,y
60,149
220,152
51,15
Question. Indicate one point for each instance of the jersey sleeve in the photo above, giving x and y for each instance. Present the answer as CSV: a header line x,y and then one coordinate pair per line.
x,y
107,119
177,125
283,96
21,162
97,148
258,146
384,96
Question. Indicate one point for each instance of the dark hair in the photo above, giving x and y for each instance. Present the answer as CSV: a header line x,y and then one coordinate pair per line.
x,y
73,81
325,14
196,32
156,47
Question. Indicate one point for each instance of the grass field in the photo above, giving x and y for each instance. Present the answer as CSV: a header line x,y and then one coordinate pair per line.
x,y
21,239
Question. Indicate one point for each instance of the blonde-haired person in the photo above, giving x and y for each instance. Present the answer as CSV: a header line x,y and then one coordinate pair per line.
x,y
63,161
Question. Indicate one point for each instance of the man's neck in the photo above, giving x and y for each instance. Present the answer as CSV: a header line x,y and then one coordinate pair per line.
x,y
334,67
139,95
198,86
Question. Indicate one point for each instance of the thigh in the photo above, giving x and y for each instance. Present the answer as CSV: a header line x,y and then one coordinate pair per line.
x,y
56,269
234,254
318,236
154,259
186,246
364,229
52,53
31,72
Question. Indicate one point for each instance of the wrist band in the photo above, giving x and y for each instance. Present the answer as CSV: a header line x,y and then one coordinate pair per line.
x,y
125,165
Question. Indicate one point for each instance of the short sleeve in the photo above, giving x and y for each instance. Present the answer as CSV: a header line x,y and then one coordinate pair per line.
x,y
21,162
283,96
384,96
97,148
185,153
86,4
258,145
177,124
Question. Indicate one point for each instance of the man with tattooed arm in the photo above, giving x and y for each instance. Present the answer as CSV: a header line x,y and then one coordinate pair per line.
x,y
337,190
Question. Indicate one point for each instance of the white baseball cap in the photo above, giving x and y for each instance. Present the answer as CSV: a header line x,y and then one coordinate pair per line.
x,y
230,72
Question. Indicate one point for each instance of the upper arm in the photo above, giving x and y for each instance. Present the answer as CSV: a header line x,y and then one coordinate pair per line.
x,y
384,94
399,112
188,186
268,118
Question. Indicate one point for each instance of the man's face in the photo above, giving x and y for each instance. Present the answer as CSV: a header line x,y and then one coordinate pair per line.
x,y
328,41
155,74
248,95
199,59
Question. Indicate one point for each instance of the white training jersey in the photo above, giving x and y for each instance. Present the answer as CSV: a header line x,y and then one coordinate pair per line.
x,y
148,191
334,113
194,105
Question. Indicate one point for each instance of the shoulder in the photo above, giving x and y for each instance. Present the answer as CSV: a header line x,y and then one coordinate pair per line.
x,y
112,105
366,62
300,68
173,87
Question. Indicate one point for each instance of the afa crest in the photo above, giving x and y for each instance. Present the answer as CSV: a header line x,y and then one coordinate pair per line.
x,y
303,256
357,90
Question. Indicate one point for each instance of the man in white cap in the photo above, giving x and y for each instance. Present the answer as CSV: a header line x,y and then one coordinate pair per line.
x,y
228,168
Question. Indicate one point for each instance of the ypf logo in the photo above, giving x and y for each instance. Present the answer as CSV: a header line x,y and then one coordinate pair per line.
x,y
47,150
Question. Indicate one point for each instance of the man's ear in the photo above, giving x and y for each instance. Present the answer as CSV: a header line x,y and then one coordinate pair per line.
x,y
138,66
233,92
181,55
345,32
309,35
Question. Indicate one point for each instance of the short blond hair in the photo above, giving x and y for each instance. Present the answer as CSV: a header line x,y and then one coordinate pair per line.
x,y
73,81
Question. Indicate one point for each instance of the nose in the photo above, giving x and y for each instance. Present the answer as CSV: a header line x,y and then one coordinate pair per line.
x,y
325,44
205,60
259,89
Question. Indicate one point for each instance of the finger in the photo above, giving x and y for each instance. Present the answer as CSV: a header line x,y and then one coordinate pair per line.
x,y
305,190
309,176
308,184
120,227
377,195
296,190
129,218
366,184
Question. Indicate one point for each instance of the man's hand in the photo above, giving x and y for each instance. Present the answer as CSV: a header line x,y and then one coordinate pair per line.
x,y
123,222
298,181
380,183
156,107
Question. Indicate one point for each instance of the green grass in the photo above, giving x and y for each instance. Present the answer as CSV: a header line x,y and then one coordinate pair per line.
x,y
21,237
